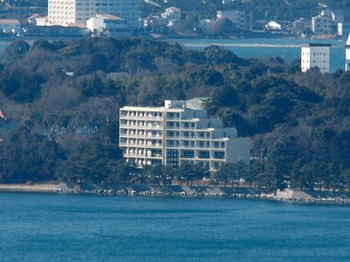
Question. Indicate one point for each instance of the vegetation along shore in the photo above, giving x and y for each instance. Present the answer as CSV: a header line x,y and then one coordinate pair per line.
x,y
59,105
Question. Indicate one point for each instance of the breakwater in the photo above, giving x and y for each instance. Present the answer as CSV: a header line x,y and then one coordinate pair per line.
x,y
287,195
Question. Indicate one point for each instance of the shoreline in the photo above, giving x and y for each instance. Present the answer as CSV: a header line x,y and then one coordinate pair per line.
x,y
288,195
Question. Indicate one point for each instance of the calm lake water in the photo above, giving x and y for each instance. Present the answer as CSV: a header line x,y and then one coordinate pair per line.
x,y
50,227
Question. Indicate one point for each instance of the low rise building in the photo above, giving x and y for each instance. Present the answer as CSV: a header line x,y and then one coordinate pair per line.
x,y
10,26
326,22
178,133
172,13
108,24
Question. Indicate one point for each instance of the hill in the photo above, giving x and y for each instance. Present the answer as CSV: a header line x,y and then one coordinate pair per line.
x,y
299,122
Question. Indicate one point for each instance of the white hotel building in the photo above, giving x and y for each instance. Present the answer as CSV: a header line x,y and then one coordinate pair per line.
x,y
64,12
175,134
315,55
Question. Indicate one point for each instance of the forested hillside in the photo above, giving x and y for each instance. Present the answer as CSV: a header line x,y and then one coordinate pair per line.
x,y
299,122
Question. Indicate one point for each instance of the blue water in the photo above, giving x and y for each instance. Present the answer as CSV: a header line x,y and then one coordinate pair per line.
x,y
287,49
40,227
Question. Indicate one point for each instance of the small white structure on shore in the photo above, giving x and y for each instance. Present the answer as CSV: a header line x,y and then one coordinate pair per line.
x,y
315,55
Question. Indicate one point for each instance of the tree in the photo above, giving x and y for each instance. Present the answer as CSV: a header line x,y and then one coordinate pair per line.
x,y
224,96
226,173
251,176
16,50
38,157
241,170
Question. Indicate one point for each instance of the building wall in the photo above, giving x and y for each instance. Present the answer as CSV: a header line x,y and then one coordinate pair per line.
x,y
315,56
321,24
79,11
101,23
171,135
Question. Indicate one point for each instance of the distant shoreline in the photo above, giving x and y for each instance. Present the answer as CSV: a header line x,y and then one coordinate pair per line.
x,y
288,195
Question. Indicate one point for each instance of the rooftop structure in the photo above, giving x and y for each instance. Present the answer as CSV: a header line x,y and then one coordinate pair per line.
x,y
176,134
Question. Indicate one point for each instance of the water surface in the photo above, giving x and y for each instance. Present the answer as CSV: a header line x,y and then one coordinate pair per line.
x,y
40,227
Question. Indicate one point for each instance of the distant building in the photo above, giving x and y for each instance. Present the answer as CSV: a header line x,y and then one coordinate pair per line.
x,y
321,25
236,17
343,29
176,134
109,25
347,54
10,26
79,11
72,31
273,25
315,55
326,22
301,25
154,22
172,13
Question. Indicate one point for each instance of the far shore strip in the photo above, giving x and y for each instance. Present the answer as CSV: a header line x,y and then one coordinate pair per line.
x,y
25,187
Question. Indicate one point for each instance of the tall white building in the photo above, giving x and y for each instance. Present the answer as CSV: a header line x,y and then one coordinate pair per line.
x,y
347,54
175,134
315,55
64,12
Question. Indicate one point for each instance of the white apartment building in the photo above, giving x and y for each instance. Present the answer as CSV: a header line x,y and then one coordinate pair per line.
x,y
315,55
79,11
321,24
175,134
347,54
236,17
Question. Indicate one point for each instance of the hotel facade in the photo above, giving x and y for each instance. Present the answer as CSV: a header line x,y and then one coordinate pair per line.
x,y
176,134
79,11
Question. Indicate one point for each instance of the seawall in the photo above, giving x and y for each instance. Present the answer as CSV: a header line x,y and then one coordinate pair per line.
x,y
287,195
